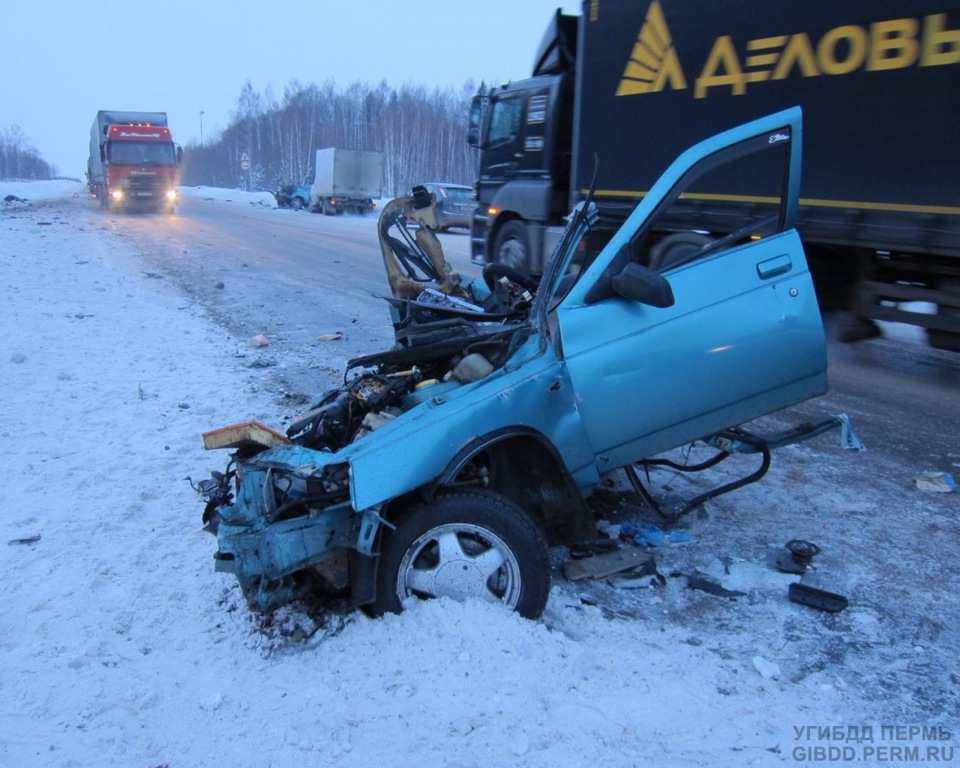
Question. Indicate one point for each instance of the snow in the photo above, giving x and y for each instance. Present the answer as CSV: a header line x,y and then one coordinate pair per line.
x,y
119,645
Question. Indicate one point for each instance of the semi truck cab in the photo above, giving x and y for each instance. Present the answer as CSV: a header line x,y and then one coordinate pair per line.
x,y
133,162
525,132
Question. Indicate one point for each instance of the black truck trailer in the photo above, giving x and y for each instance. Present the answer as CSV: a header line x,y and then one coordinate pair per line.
x,y
620,90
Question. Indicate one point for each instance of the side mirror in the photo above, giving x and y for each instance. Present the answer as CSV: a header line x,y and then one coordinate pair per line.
x,y
179,154
637,283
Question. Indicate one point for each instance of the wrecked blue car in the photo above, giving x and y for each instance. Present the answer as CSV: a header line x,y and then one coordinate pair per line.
x,y
448,465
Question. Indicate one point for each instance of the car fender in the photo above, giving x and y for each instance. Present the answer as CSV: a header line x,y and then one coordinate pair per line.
x,y
430,441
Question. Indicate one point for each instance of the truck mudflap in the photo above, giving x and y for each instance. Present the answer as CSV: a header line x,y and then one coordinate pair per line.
x,y
739,441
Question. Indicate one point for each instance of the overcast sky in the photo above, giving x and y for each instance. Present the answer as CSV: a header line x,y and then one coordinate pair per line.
x,y
64,59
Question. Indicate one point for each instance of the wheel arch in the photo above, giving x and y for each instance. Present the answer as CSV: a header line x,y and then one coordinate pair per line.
x,y
522,465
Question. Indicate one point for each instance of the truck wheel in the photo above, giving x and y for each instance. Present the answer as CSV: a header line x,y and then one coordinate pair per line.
x,y
948,340
328,210
511,247
471,543
676,247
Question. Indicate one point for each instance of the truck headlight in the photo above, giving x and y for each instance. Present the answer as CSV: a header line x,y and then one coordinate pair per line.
x,y
117,194
171,195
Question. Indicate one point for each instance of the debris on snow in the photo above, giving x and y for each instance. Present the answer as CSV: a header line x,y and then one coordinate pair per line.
x,y
647,535
817,598
711,586
603,565
936,482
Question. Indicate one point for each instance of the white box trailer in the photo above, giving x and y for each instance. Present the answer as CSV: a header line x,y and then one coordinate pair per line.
x,y
346,179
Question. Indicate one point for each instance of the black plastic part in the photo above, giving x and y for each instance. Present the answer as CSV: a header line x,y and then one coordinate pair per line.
x,y
817,598
363,577
787,564
803,551
421,197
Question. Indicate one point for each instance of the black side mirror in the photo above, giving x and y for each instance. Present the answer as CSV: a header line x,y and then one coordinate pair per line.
x,y
637,283
179,154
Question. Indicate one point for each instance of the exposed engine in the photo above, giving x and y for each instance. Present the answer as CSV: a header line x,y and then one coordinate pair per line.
x,y
449,331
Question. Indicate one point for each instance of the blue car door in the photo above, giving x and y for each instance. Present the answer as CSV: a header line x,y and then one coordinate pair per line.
x,y
743,336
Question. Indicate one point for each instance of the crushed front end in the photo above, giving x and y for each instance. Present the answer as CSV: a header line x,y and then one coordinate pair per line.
x,y
282,532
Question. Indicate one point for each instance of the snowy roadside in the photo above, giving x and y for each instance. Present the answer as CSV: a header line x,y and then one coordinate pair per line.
x,y
121,646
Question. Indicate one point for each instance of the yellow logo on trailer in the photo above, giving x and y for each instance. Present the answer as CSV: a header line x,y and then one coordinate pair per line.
x,y
883,45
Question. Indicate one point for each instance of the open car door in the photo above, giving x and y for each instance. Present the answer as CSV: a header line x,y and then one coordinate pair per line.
x,y
743,336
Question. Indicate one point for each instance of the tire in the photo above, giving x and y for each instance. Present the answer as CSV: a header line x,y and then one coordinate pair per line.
x,y
511,247
297,203
465,544
676,247
328,210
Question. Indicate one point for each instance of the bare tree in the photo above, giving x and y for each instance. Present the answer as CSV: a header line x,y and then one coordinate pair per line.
x,y
19,159
422,135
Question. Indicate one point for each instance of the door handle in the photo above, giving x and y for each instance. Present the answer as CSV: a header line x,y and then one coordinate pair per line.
x,y
778,265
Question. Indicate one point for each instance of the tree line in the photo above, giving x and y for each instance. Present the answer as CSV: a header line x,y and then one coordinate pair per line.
x,y
421,133
19,159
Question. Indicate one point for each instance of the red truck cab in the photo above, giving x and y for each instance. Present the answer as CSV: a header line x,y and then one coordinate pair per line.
x,y
134,165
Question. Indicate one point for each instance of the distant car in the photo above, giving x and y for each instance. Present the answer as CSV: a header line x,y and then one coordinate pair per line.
x,y
293,196
455,204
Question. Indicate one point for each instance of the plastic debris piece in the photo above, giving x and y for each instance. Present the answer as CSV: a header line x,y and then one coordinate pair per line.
x,y
817,598
936,482
26,540
848,439
335,336
647,535
583,549
599,566
258,341
803,551
712,587
787,564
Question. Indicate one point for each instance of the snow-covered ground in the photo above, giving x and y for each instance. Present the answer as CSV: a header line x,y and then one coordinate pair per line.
x,y
120,646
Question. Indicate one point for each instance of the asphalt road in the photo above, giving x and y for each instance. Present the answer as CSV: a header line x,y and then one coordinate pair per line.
x,y
291,276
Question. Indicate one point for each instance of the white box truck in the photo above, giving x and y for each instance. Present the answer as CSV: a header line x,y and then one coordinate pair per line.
x,y
346,179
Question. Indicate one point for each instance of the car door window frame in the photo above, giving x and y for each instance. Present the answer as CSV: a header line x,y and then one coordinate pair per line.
x,y
779,140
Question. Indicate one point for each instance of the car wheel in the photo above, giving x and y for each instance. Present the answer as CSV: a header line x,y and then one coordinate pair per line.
x,y
675,248
511,247
296,203
465,544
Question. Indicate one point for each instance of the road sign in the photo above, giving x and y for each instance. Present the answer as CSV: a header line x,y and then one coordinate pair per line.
x,y
244,162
